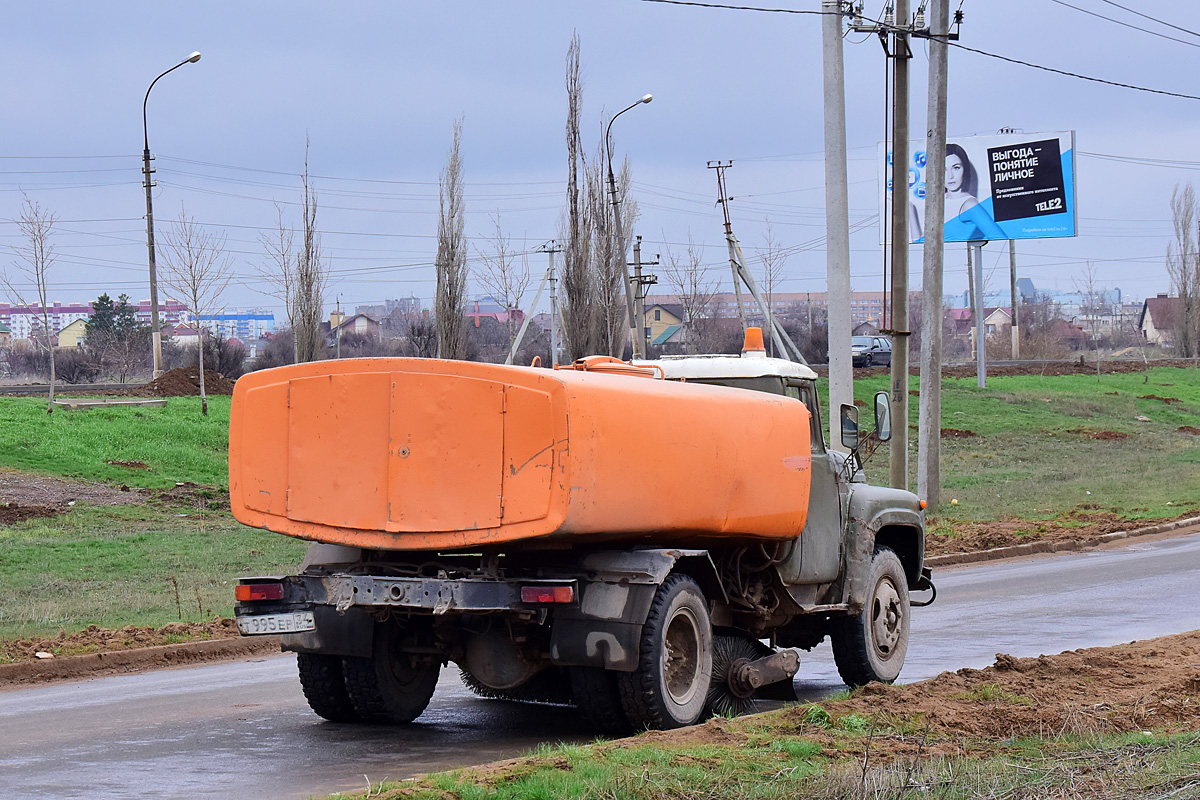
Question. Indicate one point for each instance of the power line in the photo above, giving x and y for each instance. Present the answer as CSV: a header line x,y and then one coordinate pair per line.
x,y
1063,71
1152,19
744,8
1125,24
948,41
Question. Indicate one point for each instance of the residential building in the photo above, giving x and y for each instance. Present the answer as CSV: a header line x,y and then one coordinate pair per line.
x,y
360,324
1157,320
73,334
21,320
403,305
243,324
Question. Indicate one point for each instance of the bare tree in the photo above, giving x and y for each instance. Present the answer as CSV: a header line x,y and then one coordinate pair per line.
x,y
1092,297
578,307
1183,265
197,270
773,258
34,259
311,278
279,273
504,274
451,260
689,281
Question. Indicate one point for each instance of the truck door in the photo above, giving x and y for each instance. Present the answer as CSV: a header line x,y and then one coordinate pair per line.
x,y
820,542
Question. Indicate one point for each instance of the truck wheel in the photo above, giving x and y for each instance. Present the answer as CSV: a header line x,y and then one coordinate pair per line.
x,y
871,645
324,687
670,686
390,686
598,697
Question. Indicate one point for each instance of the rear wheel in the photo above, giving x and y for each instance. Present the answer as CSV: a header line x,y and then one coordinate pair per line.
x,y
670,686
871,645
324,687
393,685
598,698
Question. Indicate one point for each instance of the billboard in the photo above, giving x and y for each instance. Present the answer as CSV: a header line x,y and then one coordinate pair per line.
x,y
1008,186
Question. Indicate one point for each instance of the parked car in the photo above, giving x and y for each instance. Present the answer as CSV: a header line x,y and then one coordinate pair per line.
x,y
871,351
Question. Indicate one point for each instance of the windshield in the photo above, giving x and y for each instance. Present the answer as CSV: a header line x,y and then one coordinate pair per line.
x,y
860,341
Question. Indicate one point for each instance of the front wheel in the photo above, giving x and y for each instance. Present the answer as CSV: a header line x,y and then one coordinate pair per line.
x,y
393,685
871,645
669,689
867,362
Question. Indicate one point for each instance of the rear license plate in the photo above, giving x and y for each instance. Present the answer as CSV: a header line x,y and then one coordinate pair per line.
x,y
293,622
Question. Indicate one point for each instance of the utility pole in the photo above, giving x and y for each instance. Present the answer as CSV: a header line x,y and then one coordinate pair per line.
x,y
723,199
1012,292
929,414
641,285
551,249
742,275
837,219
901,54
338,330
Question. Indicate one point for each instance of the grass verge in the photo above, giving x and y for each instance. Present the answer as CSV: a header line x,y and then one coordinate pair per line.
x,y
175,441
129,565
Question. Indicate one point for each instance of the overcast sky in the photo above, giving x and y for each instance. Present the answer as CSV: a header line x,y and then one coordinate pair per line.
x,y
376,87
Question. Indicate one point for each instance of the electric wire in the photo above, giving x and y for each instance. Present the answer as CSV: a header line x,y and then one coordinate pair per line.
x,y
1152,19
1125,24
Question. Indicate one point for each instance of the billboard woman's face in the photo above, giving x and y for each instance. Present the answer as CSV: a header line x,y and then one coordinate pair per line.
x,y
954,173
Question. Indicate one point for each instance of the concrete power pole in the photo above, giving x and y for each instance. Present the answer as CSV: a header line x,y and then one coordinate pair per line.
x,y
551,250
898,461
929,424
837,218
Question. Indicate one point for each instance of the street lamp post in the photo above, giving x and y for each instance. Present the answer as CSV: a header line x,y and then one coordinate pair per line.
x,y
617,226
155,332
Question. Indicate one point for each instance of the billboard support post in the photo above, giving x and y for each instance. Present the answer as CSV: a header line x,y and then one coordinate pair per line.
x,y
1012,294
980,327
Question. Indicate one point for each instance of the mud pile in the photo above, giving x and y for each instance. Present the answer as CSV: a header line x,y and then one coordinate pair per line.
x,y
184,382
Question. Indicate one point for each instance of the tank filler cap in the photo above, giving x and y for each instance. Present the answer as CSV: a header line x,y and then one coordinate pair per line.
x,y
753,346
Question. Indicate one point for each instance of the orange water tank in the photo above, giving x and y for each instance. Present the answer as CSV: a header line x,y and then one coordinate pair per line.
x,y
422,454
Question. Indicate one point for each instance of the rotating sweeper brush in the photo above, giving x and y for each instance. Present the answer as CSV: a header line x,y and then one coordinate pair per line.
x,y
746,670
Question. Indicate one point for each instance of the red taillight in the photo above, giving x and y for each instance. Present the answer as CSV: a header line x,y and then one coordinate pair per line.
x,y
258,591
547,594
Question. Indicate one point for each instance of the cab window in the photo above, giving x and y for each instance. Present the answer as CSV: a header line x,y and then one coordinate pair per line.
x,y
805,392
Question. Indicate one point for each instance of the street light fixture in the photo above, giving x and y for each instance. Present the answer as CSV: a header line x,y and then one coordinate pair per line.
x,y
155,332
616,202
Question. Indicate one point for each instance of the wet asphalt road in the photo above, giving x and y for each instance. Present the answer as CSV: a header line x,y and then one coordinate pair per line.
x,y
243,729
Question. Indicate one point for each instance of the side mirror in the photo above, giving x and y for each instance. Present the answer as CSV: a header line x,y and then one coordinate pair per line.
x,y
883,417
849,417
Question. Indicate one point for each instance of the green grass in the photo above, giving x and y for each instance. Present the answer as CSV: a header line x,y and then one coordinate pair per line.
x,y
1125,765
129,565
1033,458
175,441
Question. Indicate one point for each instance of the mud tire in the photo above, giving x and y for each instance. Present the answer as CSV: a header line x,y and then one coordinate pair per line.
x,y
598,697
669,689
871,645
390,686
324,687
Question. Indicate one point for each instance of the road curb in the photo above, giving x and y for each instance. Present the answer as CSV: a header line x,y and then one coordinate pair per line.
x,y
135,659
1036,548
